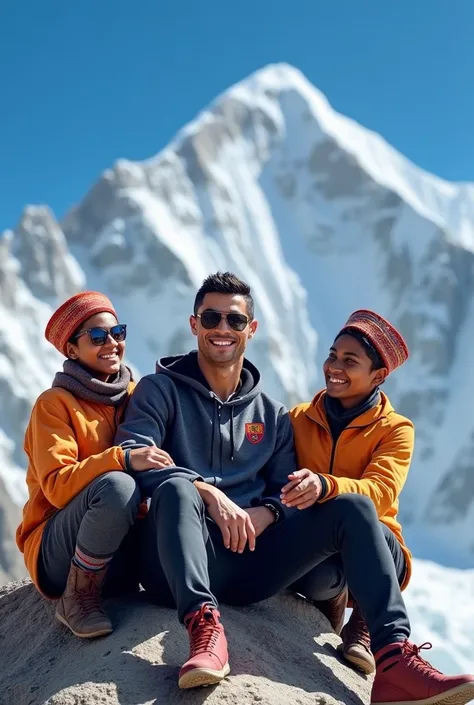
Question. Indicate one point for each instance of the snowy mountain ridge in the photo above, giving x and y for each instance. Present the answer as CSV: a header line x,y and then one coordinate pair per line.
x,y
321,217
446,204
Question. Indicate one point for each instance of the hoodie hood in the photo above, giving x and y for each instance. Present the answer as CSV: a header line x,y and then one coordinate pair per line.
x,y
185,370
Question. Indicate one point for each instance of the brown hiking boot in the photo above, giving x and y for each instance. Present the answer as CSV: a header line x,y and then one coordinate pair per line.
x,y
355,647
80,605
334,610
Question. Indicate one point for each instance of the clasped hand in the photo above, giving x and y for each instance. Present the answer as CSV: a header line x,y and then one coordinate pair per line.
x,y
149,458
303,490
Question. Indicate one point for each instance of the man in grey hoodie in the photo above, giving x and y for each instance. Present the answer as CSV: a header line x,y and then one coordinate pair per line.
x,y
216,527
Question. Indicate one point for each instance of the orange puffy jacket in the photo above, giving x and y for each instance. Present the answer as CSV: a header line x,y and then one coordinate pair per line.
x,y
371,456
69,443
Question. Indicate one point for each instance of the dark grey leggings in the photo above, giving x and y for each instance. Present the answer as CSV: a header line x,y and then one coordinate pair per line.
x,y
98,520
184,562
328,579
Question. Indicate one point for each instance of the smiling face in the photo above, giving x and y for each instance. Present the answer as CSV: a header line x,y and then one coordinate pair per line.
x,y
222,346
349,372
105,359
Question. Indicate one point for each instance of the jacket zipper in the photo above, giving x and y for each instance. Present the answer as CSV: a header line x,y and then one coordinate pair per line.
x,y
333,449
334,444
333,453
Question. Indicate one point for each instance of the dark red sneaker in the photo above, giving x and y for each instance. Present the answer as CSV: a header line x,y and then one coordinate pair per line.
x,y
404,678
208,660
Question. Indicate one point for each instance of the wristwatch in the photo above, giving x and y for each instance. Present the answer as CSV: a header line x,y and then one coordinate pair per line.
x,y
274,509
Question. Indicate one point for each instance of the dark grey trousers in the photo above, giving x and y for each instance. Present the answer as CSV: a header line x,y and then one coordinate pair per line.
x,y
328,579
184,562
98,520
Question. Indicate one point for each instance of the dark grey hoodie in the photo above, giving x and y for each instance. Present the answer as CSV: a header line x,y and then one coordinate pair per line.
x,y
244,445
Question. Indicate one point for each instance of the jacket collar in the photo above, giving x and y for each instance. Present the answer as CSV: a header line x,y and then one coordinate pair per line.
x,y
316,412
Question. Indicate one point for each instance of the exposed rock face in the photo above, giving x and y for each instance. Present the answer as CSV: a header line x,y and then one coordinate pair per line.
x,y
282,651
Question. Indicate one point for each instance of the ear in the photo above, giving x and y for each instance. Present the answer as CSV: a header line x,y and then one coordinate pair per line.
x,y
71,351
380,376
252,328
193,324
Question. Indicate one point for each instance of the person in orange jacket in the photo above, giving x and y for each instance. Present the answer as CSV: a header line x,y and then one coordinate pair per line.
x,y
349,439
81,503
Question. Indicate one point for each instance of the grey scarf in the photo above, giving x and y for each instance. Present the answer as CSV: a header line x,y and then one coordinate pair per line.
x,y
80,381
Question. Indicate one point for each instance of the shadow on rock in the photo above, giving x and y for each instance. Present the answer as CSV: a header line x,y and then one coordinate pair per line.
x,y
280,653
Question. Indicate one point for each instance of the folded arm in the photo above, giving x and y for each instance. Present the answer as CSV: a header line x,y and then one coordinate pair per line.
x,y
385,475
147,420
54,454
382,480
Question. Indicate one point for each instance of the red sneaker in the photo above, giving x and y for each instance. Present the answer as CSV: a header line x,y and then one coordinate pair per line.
x,y
208,658
404,678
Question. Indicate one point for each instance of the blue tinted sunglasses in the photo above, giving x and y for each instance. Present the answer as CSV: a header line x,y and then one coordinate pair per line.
x,y
99,336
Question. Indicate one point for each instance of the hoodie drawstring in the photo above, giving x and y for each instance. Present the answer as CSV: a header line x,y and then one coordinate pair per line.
x,y
213,435
232,433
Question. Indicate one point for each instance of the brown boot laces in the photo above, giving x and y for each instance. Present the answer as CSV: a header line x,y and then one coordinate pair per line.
x,y
355,631
413,653
204,631
89,597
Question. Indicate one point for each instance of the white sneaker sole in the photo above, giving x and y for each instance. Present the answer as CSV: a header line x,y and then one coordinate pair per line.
x,y
456,696
202,677
88,635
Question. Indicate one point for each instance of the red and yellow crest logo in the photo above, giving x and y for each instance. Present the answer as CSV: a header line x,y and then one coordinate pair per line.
x,y
254,432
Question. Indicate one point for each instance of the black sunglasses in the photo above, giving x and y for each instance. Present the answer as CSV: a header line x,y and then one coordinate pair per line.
x,y
99,336
211,319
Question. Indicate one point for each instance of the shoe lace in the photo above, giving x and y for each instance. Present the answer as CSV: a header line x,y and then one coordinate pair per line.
x,y
413,653
90,595
204,630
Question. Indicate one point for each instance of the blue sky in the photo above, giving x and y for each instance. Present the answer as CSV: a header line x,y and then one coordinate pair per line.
x,y
84,83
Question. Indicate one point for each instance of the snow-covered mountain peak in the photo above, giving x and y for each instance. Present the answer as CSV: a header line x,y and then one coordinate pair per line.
x,y
320,216
46,265
269,106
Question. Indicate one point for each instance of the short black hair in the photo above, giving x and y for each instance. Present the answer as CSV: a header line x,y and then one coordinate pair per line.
x,y
73,337
372,352
224,283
